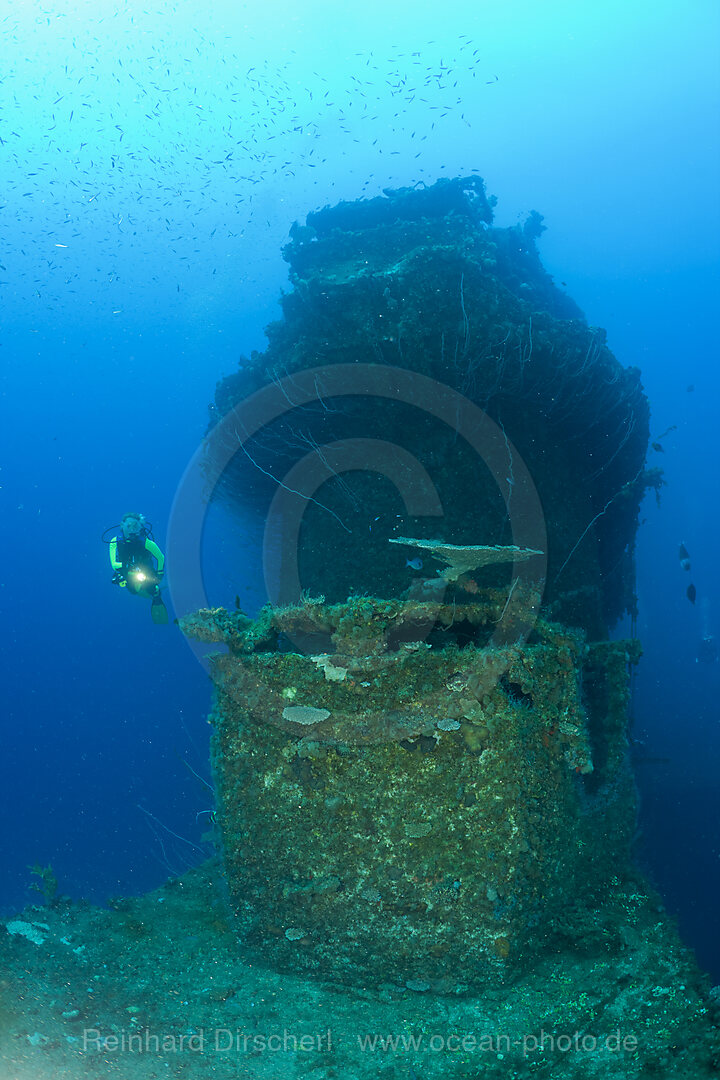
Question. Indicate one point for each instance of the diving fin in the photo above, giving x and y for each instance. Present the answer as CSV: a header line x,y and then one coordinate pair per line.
x,y
158,611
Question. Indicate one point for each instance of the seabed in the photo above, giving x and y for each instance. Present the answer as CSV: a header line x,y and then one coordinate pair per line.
x,y
94,992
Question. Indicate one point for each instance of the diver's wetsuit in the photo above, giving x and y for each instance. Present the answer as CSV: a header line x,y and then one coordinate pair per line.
x,y
137,553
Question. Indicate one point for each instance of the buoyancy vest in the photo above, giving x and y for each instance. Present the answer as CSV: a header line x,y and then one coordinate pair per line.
x,y
133,552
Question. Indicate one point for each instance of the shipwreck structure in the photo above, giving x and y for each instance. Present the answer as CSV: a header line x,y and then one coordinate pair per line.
x,y
422,771
420,282
430,812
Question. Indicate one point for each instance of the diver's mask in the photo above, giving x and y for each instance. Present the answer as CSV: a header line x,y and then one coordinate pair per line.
x,y
133,526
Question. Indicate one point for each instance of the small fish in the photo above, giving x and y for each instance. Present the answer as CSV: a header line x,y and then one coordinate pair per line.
x,y
691,593
658,448
684,556
414,564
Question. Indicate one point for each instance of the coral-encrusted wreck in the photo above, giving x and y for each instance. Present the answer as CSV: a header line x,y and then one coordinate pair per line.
x,y
421,281
424,778
425,810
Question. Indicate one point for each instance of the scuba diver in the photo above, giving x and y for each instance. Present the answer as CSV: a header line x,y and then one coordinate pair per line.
x,y
138,562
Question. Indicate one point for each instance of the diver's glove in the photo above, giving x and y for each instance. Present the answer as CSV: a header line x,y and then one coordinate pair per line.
x,y
119,579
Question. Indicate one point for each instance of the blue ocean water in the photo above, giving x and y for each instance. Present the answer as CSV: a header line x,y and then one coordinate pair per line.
x,y
154,158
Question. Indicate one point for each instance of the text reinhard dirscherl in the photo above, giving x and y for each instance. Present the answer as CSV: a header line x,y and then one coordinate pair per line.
x,y
227,1041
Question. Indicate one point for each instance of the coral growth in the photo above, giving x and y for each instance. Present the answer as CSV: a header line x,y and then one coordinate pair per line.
x,y
427,815
462,559
422,282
